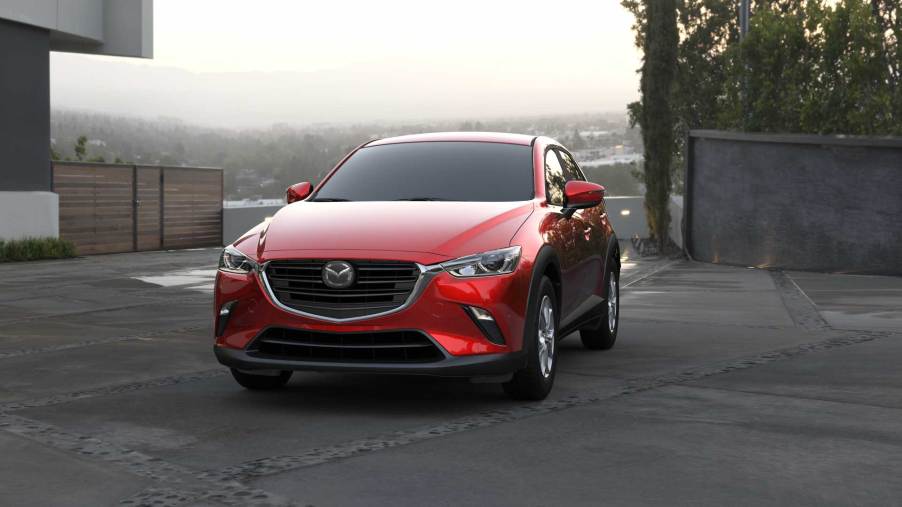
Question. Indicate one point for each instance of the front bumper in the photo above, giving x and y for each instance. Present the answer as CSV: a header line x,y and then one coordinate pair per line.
x,y
438,311
451,366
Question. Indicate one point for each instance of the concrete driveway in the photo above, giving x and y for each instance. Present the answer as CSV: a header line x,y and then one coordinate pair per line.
x,y
727,386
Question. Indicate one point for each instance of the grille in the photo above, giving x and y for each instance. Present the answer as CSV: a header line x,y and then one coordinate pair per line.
x,y
380,347
379,286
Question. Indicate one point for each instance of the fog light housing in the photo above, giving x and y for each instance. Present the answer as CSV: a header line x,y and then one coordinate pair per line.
x,y
222,320
486,323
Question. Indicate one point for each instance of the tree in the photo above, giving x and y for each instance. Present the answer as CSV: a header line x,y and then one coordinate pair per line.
x,y
815,68
80,147
811,66
654,113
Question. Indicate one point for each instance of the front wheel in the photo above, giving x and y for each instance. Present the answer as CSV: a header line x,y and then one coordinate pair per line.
x,y
257,382
605,335
534,382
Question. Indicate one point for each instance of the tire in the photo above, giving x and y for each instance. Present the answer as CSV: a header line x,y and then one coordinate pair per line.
x,y
604,335
260,382
534,382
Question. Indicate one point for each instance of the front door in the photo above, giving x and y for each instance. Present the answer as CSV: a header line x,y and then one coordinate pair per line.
x,y
572,237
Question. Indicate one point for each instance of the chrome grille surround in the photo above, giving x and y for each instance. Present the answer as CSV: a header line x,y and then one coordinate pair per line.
x,y
424,276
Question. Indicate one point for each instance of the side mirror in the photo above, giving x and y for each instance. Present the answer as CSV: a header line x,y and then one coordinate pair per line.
x,y
298,192
582,194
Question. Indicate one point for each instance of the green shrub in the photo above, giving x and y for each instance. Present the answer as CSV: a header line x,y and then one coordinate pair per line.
x,y
32,249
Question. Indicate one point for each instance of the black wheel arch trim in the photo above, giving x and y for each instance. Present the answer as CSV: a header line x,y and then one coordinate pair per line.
x,y
612,255
545,258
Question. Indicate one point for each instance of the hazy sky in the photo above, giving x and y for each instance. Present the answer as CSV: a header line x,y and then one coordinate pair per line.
x,y
243,63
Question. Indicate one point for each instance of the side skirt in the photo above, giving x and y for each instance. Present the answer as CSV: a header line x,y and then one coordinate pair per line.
x,y
588,315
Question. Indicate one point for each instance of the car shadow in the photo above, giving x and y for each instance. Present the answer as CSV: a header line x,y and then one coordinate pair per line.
x,y
381,394
373,394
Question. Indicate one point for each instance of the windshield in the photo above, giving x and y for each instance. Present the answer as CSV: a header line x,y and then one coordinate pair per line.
x,y
433,171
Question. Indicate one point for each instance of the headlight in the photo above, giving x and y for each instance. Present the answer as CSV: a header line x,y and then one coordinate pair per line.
x,y
233,261
495,262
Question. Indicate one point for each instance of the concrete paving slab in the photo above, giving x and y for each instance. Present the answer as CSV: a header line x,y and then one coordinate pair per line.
x,y
49,332
74,301
855,301
807,417
715,295
33,474
190,310
647,348
221,424
868,373
677,446
65,371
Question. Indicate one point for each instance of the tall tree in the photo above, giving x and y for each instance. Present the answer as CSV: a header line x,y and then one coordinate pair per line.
x,y
655,115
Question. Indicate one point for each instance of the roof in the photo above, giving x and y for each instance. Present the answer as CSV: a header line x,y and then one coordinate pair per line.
x,y
482,137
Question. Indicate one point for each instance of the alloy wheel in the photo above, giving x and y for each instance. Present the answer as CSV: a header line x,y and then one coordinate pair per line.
x,y
546,336
613,306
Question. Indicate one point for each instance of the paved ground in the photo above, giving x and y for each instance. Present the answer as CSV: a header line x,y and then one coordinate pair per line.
x,y
727,386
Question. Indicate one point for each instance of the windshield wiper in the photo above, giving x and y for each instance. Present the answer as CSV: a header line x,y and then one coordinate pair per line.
x,y
330,199
421,199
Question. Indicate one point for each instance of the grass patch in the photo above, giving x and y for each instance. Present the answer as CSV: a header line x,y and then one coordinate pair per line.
x,y
32,249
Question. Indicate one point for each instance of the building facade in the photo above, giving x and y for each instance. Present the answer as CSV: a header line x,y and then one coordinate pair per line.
x,y
29,30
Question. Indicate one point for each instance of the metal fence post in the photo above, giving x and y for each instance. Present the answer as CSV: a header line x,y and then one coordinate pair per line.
x,y
135,204
162,208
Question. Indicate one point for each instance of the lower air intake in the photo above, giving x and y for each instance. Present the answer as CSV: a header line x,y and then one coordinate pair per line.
x,y
379,347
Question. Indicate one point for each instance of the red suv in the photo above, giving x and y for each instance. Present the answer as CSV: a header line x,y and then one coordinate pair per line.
x,y
452,254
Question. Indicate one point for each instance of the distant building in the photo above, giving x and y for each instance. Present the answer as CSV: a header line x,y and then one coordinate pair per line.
x,y
29,30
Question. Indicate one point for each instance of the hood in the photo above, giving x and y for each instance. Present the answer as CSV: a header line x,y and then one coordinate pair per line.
x,y
444,229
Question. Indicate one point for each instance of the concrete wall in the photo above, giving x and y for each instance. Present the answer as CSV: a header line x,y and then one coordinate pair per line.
x,y
634,223
821,203
630,224
237,221
24,107
105,27
29,215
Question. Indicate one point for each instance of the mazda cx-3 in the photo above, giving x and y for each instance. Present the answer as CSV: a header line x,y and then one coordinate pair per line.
x,y
450,254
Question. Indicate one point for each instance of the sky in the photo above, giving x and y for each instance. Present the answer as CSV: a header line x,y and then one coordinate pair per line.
x,y
242,64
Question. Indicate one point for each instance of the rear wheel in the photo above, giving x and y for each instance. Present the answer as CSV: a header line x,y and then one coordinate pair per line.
x,y
256,382
534,382
605,335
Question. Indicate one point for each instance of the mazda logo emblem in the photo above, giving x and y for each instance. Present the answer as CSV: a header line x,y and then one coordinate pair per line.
x,y
338,274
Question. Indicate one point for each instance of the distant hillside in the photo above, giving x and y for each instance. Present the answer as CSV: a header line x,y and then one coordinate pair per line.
x,y
261,163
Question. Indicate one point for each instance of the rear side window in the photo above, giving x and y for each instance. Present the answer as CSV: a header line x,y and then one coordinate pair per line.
x,y
559,169
571,170
440,171
554,179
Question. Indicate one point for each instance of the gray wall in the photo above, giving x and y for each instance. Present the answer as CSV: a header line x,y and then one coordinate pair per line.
x,y
634,223
237,221
821,203
24,107
104,27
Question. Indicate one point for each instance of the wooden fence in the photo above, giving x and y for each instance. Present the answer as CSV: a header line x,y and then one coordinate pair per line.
x,y
107,208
